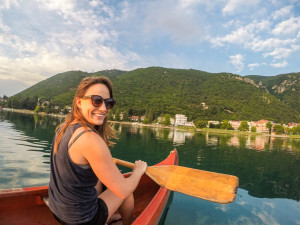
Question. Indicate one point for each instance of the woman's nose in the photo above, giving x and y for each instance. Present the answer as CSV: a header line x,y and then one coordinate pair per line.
x,y
103,107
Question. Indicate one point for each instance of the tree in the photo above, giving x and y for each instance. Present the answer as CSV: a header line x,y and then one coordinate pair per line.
x,y
110,115
244,126
167,121
226,125
253,129
201,123
117,115
269,126
65,111
279,129
296,130
150,116
146,121
125,116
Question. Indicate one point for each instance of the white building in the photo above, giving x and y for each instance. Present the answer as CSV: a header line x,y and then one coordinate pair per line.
x,y
180,120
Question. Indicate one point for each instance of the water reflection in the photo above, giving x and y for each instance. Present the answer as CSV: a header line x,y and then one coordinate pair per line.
x,y
256,142
177,137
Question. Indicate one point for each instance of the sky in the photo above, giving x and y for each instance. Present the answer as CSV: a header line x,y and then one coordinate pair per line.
x,y
40,38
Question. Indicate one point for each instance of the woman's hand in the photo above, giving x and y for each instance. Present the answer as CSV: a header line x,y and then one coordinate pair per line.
x,y
140,167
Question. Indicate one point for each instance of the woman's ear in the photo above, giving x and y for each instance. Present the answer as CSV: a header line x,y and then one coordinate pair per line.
x,y
78,102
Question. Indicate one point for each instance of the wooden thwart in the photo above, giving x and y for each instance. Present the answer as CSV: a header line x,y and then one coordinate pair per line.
x,y
215,187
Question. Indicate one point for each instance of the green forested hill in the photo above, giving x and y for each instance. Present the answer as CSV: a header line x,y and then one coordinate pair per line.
x,y
201,95
160,91
285,87
59,89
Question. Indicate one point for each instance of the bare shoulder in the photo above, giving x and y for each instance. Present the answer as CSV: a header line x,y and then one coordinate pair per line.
x,y
85,134
88,142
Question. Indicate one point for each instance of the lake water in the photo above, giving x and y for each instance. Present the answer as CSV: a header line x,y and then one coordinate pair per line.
x,y
268,168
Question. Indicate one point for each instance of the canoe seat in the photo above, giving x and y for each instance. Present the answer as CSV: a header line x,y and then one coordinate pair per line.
x,y
46,200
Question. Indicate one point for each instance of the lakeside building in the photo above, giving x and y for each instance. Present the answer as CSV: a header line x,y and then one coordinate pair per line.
x,y
180,120
135,118
235,124
291,125
261,126
213,122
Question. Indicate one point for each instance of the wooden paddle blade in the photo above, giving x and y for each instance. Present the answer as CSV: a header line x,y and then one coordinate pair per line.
x,y
215,187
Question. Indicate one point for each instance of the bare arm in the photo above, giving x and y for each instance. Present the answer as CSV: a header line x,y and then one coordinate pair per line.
x,y
95,151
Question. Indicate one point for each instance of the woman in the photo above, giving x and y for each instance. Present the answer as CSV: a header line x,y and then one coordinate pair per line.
x,y
81,162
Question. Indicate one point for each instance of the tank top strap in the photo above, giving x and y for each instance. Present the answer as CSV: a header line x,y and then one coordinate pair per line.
x,y
78,135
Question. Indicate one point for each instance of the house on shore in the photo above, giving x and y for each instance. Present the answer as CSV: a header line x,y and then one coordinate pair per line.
x,y
261,126
213,122
291,125
181,120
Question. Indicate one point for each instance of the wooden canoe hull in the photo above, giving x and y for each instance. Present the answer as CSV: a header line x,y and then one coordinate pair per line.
x,y
26,205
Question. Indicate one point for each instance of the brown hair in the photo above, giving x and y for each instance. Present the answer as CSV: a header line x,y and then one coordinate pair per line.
x,y
105,130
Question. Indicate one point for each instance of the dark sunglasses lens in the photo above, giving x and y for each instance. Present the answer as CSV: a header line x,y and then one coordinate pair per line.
x,y
110,103
97,100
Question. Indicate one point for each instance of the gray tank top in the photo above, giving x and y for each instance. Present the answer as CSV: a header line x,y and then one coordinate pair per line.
x,y
72,193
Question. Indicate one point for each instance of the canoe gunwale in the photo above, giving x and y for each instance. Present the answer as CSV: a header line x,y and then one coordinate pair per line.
x,y
154,210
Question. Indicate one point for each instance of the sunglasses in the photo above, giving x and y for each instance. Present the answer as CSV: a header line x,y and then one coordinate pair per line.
x,y
97,101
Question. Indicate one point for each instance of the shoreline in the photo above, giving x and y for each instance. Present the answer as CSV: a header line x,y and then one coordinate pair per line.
x,y
209,130
31,112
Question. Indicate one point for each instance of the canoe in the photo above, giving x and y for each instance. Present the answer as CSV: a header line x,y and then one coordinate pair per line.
x,y
26,205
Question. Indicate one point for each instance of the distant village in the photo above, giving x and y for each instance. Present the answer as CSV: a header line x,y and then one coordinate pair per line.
x,y
180,120
260,126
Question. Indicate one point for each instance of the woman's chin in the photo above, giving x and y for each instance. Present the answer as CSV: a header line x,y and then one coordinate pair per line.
x,y
98,121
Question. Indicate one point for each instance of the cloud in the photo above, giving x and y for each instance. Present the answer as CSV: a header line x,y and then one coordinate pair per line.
x,y
258,36
237,61
66,37
11,87
259,45
233,6
65,6
279,53
240,36
244,35
6,4
287,27
95,3
40,38
283,12
180,21
253,65
280,64
295,48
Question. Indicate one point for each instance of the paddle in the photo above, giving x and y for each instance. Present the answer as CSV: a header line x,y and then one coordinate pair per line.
x,y
215,187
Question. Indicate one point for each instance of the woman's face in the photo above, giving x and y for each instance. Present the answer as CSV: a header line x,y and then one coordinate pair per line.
x,y
94,115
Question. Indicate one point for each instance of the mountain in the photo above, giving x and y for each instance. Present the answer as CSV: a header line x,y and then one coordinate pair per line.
x,y
156,91
285,87
59,89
